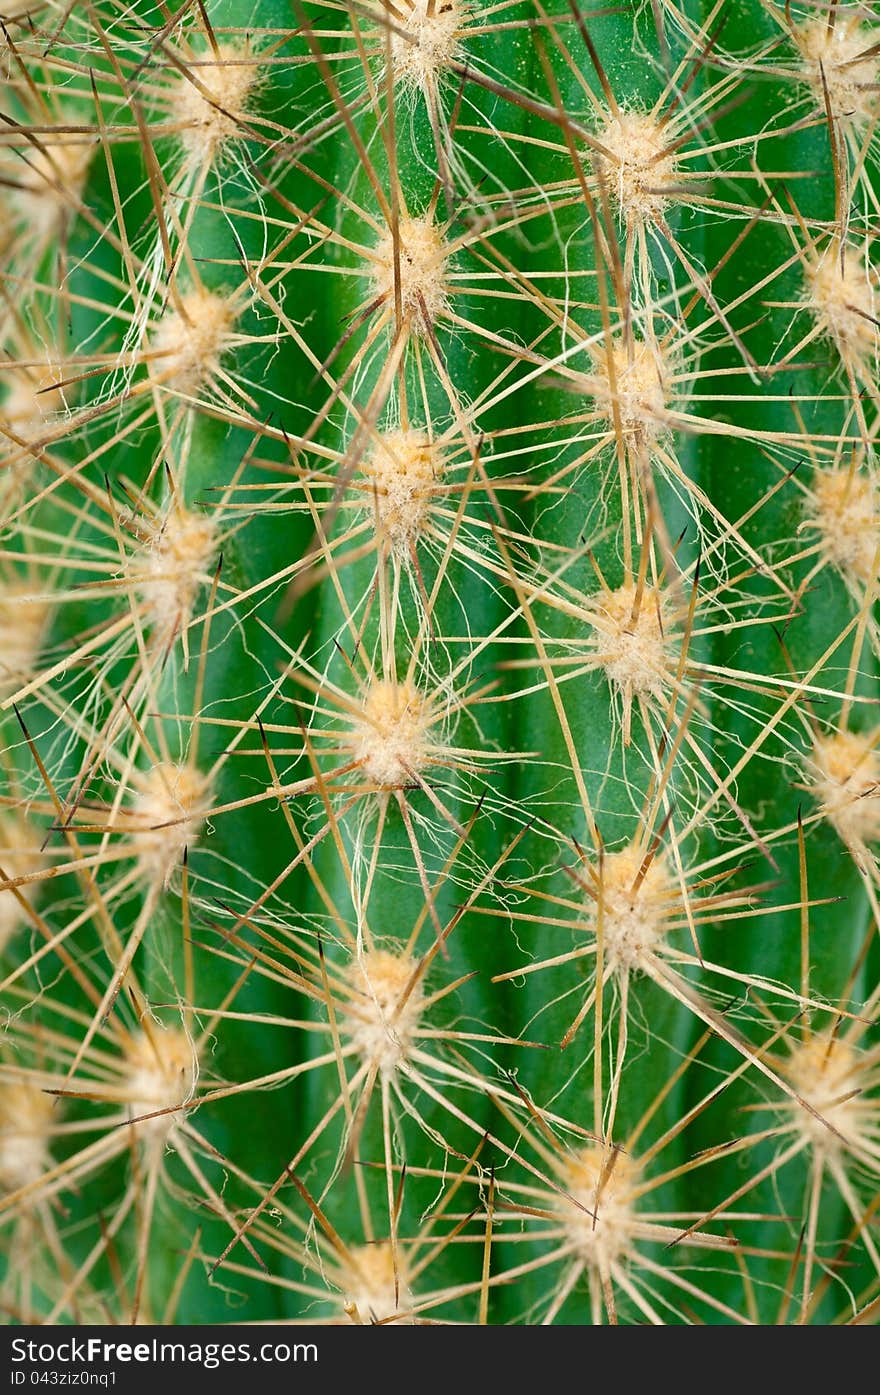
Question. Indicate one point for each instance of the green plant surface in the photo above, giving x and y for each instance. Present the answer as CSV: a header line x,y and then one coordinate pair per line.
x,y
439,662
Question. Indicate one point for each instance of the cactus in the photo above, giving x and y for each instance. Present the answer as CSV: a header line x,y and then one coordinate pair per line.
x,y
439,662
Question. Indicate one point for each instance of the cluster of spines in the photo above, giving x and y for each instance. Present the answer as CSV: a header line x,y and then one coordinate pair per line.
x,y
416,695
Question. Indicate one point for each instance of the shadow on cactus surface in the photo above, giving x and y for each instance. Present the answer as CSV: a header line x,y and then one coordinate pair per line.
x,y
439,662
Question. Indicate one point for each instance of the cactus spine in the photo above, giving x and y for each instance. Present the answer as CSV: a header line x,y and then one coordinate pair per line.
x,y
438,662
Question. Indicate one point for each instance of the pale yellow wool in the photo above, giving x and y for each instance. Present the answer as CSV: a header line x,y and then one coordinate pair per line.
x,y
161,1071
210,100
20,856
48,182
167,817
828,1074
842,294
380,1018
631,640
638,169
172,568
598,1207
188,343
425,37
404,470
23,619
845,777
31,400
26,1116
630,384
421,261
391,739
375,1283
839,62
635,907
845,508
